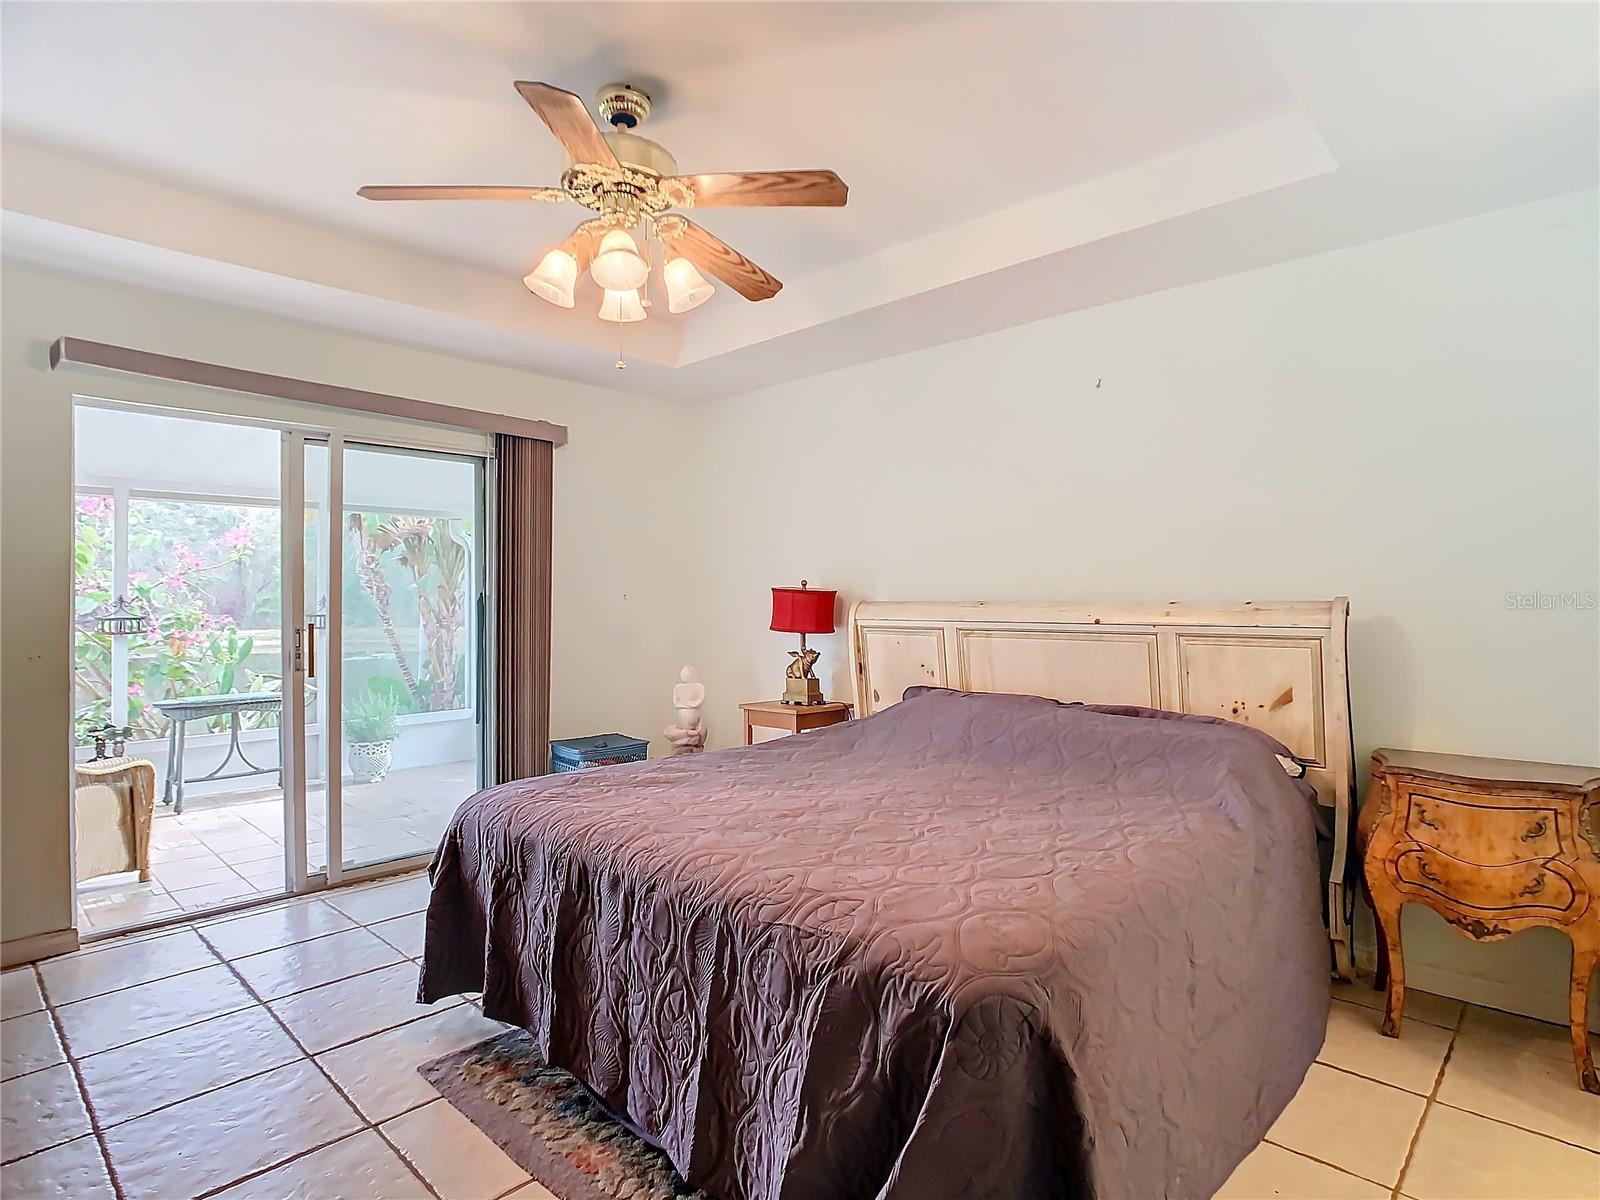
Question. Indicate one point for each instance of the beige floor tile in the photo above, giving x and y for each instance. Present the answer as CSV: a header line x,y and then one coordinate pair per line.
x,y
118,966
1511,1082
19,993
362,1166
192,872
453,1155
1462,1156
75,1171
225,1135
1420,1006
336,1013
28,1043
213,895
237,937
1355,1124
139,1012
1410,1061
1271,1172
1523,1033
405,934
40,1110
137,1079
306,965
380,1074
382,901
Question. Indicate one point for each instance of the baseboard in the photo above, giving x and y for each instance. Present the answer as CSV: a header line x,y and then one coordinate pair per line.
x,y
40,945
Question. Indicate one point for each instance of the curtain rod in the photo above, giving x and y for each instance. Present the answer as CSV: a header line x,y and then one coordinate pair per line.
x,y
78,352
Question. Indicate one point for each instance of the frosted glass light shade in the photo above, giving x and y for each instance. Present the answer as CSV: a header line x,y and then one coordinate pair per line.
x,y
686,287
618,266
554,278
621,307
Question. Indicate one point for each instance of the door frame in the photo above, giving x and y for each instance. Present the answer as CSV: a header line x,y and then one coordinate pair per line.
x,y
295,435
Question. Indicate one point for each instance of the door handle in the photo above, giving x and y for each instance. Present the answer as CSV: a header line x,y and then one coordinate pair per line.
x,y
311,650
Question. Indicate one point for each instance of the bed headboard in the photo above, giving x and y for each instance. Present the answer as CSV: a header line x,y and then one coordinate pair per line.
x,y
1279,667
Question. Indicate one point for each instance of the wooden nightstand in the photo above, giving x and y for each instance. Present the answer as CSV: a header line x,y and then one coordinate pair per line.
x,y
791,718
1493,846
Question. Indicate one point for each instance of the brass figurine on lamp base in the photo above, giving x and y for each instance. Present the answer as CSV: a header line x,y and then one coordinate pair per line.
x,y
800,685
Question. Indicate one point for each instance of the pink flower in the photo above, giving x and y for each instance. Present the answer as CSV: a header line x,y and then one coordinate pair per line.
x,y
95,506
173,579
237,538
135,691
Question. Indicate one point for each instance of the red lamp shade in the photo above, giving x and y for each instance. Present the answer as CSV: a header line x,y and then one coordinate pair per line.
x,y
802,609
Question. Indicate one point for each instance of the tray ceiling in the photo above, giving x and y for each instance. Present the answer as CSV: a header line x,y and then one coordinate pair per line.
x,y
1006,161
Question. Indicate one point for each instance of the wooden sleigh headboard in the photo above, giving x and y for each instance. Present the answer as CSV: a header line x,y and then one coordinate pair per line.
x,y
1278,667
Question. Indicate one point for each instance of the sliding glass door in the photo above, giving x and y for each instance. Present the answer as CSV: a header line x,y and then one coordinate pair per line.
x,y
277,662
388,630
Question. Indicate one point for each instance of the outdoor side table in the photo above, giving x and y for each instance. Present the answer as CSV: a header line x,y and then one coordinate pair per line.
x,y
184,709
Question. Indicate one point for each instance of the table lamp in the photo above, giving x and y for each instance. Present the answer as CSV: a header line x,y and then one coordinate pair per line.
x,y
802,610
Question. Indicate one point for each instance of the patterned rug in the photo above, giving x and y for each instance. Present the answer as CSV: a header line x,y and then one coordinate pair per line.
x,y
550,1125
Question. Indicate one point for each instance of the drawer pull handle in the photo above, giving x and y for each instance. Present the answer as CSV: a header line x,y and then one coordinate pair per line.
x,y
1534,888
1538,830
1422,815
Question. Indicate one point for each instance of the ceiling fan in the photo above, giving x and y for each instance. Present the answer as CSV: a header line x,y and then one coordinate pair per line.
x,y
631,184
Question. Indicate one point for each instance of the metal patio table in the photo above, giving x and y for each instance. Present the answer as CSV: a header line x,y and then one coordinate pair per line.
x,y
181,711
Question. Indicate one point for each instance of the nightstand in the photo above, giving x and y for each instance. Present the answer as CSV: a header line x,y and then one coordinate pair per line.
x,y
1493,846
790,718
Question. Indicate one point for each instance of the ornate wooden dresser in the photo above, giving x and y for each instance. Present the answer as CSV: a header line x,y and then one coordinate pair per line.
x,y
1493,846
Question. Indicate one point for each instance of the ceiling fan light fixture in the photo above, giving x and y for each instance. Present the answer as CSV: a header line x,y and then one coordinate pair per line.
x,y
621,306
686,287
554,278
618,267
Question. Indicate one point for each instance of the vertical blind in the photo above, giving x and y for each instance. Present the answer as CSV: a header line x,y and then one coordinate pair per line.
x,y
522,608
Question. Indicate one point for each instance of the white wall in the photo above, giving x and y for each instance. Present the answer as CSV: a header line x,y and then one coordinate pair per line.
x,y
1413,423
619,633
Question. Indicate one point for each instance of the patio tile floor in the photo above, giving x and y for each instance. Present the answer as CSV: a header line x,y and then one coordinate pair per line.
x,y
228,848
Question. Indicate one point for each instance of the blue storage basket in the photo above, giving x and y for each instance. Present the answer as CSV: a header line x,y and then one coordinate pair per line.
x,y
598,750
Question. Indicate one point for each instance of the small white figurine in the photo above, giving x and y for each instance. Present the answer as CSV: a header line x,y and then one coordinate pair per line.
x,y
688,736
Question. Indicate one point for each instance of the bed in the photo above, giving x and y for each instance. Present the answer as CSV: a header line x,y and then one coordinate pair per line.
x,y
1047,921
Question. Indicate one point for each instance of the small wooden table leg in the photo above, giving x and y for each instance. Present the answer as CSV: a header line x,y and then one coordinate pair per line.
x,y
1584,960
749,731
1394,1005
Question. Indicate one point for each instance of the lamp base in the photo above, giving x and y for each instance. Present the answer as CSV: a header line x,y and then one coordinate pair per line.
x,y
802,691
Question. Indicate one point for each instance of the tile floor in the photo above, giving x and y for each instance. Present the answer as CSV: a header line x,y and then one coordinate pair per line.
x,y
228,847
263,1055
274,1054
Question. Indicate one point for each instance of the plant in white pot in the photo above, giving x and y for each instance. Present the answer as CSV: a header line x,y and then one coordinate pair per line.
x,y
371,724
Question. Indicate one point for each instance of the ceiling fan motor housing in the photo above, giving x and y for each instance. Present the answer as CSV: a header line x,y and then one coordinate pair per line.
x,y
622,105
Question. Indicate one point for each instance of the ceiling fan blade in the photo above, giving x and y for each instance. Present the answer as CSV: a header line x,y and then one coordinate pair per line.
x,y
568,118
714,256
548,194
755,189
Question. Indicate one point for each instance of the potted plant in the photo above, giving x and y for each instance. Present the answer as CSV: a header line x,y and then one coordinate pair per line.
x,y
371,724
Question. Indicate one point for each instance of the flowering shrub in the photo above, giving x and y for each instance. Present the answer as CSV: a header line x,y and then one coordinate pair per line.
x,y
207,579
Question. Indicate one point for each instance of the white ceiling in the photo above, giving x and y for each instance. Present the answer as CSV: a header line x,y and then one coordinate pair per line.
x,y
1006,161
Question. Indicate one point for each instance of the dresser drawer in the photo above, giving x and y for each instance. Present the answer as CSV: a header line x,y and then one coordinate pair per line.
x,y
1466,828
1547,886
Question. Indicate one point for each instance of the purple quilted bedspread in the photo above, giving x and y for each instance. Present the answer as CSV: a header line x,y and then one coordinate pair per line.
x,y
973,946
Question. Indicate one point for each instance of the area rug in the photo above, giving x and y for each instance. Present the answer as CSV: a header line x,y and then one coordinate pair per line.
x,y
549,1124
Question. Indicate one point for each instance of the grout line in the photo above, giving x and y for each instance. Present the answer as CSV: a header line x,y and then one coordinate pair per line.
x,y
333,1083
1549,1137
95,1129
1324,1162
1427,1106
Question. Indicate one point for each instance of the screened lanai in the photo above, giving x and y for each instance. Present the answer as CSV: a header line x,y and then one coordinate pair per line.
x,y
179,546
